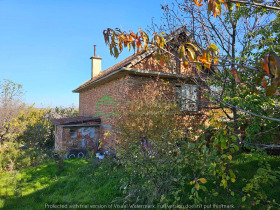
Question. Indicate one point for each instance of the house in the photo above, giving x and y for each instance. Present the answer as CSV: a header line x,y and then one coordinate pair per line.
x,y
101,96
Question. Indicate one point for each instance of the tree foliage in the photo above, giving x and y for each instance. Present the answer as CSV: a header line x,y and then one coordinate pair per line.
x,y
238,41
10,105
171,162
26,133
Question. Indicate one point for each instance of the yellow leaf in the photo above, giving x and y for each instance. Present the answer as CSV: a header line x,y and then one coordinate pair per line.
x,y
214,48
202,180
194,47
230,157
237,6
197,186
224,181
232,179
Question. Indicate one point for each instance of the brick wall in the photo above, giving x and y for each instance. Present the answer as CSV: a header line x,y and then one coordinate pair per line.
x,y
90,106
173,66
86,137
119,90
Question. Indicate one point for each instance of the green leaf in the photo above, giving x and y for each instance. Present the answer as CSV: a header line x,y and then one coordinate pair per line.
x,y
273,87
203,188
193,189
236,147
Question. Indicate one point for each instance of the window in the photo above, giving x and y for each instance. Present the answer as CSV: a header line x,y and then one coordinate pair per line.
x,y
73,133
187,97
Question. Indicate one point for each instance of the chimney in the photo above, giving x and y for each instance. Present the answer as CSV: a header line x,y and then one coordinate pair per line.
x,y
95,64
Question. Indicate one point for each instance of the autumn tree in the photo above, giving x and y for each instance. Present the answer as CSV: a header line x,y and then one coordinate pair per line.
x,y
237,40
233,46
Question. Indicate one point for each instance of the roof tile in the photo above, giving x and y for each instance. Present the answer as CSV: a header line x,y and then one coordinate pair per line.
x,y
75,120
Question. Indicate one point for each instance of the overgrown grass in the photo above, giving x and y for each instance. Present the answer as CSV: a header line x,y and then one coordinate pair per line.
x,y
80,182
85,182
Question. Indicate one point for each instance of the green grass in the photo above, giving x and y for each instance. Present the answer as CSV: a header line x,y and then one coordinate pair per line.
x,y
87,183
80,182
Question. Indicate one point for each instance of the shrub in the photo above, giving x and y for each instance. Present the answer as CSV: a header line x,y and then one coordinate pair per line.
x,y
12,157
171,161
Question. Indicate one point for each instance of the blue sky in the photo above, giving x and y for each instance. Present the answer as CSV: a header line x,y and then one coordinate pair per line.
x,y
45,45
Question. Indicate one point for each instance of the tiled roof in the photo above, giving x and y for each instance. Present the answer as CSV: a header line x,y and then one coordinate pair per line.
x,y
123,63
75,120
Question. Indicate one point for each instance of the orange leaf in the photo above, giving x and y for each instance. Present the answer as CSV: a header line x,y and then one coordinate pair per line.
x,y
265,66
133,34
214,9
198,3
186,64
203,60
138,42
216,60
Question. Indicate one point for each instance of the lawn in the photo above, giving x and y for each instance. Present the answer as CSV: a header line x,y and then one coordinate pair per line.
x,y
81,182
86,182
